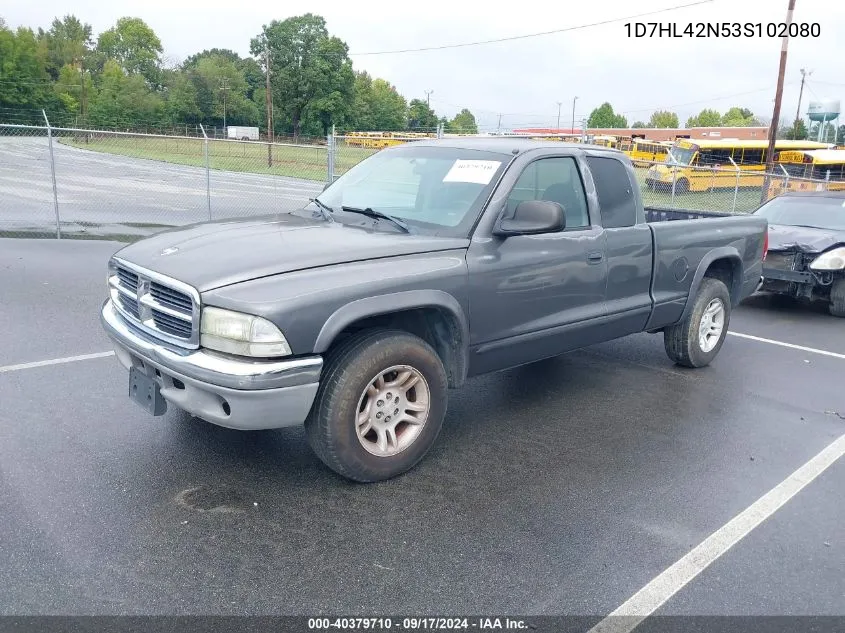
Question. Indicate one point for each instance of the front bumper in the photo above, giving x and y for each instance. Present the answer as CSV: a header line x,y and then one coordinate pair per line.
x,y
229,392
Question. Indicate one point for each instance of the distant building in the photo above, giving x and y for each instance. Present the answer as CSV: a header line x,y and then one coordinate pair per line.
x,y
662,134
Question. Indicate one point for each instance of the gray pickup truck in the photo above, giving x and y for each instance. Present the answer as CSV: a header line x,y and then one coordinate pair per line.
x,y
420,267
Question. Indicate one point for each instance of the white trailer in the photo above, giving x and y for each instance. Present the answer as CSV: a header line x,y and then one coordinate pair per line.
x,y
242,133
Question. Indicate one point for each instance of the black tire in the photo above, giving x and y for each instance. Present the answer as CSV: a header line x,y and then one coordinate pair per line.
x,y
681,187
837,298
682,339
331,425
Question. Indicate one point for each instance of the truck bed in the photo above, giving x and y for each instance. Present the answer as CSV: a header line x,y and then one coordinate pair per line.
x,y
688,243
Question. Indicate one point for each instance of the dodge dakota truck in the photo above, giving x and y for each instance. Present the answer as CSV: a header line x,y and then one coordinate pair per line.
x,y
424,265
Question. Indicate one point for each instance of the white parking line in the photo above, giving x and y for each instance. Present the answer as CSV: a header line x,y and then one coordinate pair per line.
x,y
651,597
54,361
811,350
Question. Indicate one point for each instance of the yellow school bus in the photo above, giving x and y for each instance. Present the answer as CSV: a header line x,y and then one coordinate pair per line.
x,y
604,140
380,140
809,170
704,164
642,151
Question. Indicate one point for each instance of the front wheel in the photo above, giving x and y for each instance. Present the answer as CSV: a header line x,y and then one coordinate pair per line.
x,y
695,341
380,405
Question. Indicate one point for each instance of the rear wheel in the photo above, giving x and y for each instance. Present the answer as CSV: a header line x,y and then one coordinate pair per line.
x,y
380,406
695,341
837,298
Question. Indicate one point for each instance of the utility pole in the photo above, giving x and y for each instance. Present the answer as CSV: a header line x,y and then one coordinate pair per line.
x,y
798,116
499,126
428,97
224,86
559,104
268,99
83,102
773,128
573,114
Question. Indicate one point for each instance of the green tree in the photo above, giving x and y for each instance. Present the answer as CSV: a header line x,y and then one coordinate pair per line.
x,y
134,46
663,118
249,67
604,116
638,124
123,100
840,135
68,42
311,74
181,101
70,90
706,118
463,123
377,105
797,131
220,88
738,117
24,81
421,116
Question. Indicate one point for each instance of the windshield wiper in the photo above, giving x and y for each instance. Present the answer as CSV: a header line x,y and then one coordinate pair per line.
x,y
325,209
378,215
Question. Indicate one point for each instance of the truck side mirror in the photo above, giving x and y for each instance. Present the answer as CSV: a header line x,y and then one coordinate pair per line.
x,y
532,217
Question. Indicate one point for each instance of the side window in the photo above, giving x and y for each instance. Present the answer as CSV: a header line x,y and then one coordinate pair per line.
x,y
615,193
555,179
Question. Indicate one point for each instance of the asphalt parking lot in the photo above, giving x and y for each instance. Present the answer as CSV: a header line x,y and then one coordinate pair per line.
x,y
563,487
117,194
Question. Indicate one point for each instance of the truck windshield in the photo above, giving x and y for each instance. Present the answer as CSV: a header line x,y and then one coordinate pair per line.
x,y
821,212
436,190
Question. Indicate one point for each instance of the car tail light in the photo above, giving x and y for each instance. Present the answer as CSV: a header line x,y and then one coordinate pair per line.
x,y
765,244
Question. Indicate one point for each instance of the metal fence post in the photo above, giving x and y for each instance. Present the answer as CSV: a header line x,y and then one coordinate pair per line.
x,y
207,170
53,174
736,187
330,156
674,181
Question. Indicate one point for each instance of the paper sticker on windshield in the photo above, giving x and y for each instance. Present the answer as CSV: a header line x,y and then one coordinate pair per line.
x,y
476,171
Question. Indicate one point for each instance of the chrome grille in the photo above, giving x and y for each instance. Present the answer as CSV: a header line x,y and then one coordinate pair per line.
x,y
163,307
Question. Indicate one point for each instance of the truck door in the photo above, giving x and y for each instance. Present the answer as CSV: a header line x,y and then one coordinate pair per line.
x,y
629,247
536,296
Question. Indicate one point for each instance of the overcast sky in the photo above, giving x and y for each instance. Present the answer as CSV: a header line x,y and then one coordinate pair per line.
x,y
524,79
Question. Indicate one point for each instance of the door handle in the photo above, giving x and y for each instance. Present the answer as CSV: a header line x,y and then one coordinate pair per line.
x,y
595,257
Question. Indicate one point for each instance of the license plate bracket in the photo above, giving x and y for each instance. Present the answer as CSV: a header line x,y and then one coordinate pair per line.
x,y
146,392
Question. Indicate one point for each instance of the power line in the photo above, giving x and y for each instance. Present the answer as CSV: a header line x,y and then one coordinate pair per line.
x,y
529,35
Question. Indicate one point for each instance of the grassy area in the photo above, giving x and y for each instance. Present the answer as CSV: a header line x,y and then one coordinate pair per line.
x,y
308,162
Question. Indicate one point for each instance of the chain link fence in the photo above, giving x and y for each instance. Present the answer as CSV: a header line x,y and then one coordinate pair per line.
x,y
63,181
60,182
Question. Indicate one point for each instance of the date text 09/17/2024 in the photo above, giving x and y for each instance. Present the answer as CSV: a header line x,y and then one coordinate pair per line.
x,y
722,29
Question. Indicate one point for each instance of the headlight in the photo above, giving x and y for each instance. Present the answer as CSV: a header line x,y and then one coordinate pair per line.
x,y
241,334
831,260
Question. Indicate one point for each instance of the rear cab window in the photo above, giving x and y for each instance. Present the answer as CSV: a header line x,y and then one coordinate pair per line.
x,y
615,192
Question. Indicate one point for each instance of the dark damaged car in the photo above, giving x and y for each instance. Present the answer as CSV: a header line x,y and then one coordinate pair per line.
x,y
806,256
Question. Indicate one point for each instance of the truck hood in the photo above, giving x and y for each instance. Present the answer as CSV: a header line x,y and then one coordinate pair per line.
x,y
783,237
215,254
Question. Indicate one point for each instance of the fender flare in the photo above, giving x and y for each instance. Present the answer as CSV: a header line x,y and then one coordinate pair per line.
x,y
723,252
398,302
